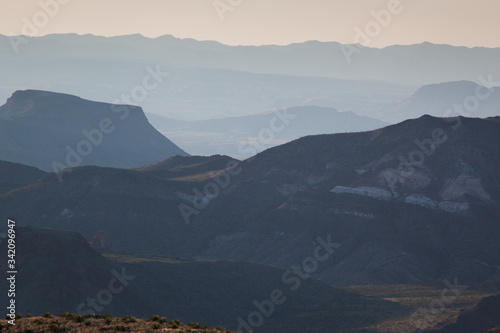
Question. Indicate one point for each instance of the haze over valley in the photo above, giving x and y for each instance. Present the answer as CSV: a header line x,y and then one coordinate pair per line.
x,y
228,168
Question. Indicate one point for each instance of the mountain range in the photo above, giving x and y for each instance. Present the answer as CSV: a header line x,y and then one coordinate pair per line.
x,y
448,99
408,64
402,201
206,80
244,136
206,238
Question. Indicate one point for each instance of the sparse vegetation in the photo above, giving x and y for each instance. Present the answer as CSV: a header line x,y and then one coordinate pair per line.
x,y
194,325
121,328
78,318
71,322
39,321
53,327
128,319
154,318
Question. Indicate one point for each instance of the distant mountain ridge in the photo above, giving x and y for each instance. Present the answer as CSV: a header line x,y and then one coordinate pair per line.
x,y
53,131
423,63
244,136
208,79
448,99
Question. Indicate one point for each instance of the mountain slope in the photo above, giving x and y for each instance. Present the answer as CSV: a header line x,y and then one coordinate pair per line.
x,y
13,175
483,316
121,211
244,136
69,274
398,218
403,201
461,98
52,131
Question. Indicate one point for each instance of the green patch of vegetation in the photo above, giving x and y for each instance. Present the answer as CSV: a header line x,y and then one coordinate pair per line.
x,y
193,325
78,318
158,319
128,319
67,315
39,321
47,315
198,177
104,316
53,327
121,328
174,323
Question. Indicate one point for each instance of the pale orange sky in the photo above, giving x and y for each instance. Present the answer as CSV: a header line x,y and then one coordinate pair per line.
x,y
257,22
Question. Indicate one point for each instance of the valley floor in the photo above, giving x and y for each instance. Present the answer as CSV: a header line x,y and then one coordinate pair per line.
x,y
432,307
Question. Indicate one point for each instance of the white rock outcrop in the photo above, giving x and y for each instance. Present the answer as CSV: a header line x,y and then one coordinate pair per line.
x,y
368,191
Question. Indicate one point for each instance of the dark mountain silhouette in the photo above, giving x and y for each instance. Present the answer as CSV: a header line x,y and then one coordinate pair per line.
x,y
67,271
13,175
71,277
404,201
483,316
99,202
409,203
52,131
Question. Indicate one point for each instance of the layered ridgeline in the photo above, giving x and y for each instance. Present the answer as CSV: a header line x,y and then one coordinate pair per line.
x,y
409,203
448,99
54,131
13,175
409,64
412,202
245,136
72,277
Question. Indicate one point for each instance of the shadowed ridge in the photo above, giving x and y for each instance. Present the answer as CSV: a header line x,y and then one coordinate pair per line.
x,y
52,131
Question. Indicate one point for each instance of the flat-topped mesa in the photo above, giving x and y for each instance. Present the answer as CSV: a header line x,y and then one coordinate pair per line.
x,y
53,131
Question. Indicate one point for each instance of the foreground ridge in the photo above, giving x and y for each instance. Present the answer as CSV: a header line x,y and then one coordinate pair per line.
x,y
71,322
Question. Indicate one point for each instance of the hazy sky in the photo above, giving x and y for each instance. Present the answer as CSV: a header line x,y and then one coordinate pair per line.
x,y
256,22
